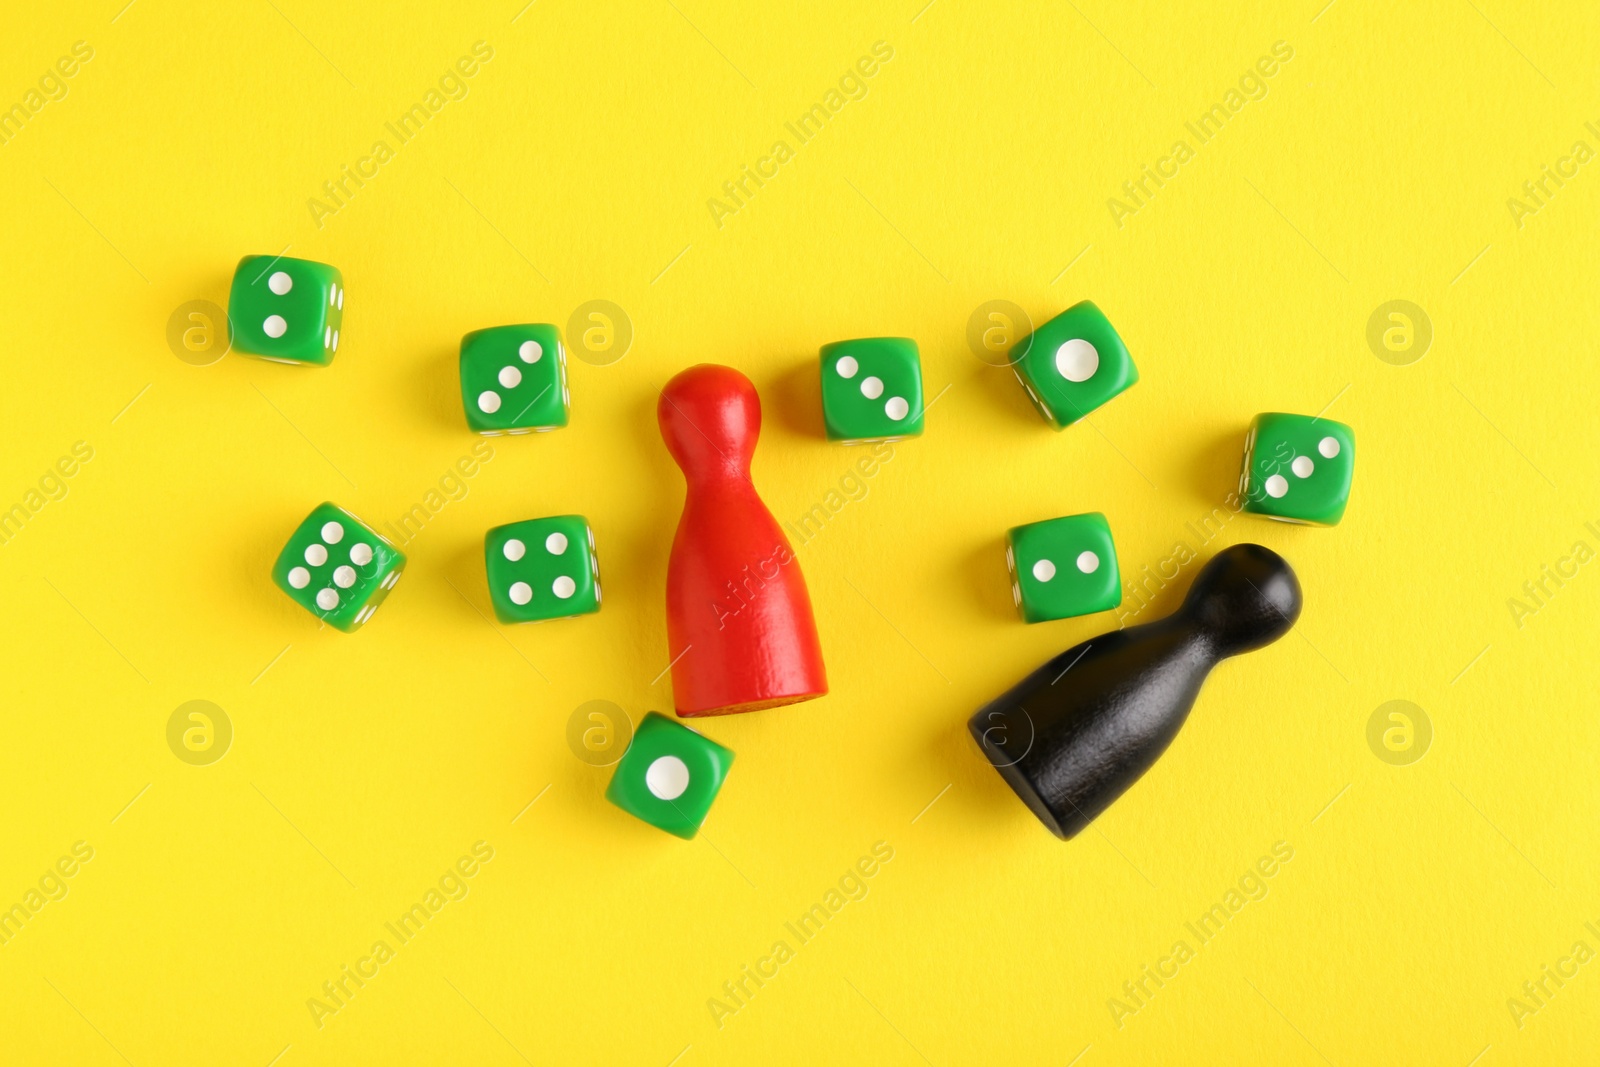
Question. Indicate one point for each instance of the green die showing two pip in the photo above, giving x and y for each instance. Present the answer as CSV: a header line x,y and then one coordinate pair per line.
x,y
871,389
1297,468
1072,364
286,310
338,568
514,379
1063,567
669,776
542,569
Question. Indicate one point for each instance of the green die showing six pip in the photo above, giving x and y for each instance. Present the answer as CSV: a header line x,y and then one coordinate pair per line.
x,y
286,310
1297,468
514,379
669,776
1063,567
542,569
871,389
338,568
1073,364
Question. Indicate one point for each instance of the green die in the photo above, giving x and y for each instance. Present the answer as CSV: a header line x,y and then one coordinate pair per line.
x,y
871,389
338,568
1297,468
1073,364
542,569
669,776
514,379
1063,567
286,310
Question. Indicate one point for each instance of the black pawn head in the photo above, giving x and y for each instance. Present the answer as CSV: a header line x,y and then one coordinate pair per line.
x,y
1246,597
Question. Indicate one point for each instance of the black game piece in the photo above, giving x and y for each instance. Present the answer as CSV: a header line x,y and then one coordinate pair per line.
x,y
1075,734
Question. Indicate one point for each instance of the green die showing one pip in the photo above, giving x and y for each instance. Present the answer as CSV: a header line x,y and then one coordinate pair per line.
x,y
514,379
286,310
1073,364
1063,567
338,568
542,569
669,776
1297,468
871,389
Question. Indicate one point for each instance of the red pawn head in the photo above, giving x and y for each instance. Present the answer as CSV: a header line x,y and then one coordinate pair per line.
x,y
710,417
740,632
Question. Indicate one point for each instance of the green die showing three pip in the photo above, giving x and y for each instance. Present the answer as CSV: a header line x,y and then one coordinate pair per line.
x,y
286,310
338,568
1297,468
1063,567
1073,364
669,776
514,379
542,569
871,389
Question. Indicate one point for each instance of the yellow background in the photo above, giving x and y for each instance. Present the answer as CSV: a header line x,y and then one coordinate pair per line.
x,y
977,167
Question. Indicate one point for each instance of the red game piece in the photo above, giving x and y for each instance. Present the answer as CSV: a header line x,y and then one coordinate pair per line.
x,y
739,624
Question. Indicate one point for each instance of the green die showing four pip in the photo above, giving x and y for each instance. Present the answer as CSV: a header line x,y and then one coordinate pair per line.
x,y
286,310
1063,567
871,389
542,569
1297,468
1073,364
669,776
514,379
338,568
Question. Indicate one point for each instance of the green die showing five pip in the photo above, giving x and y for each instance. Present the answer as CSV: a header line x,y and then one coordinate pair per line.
x,y
286,310
338,568
1073,364
871,389
1063,567
542,569
669,776
514,379
1297,468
